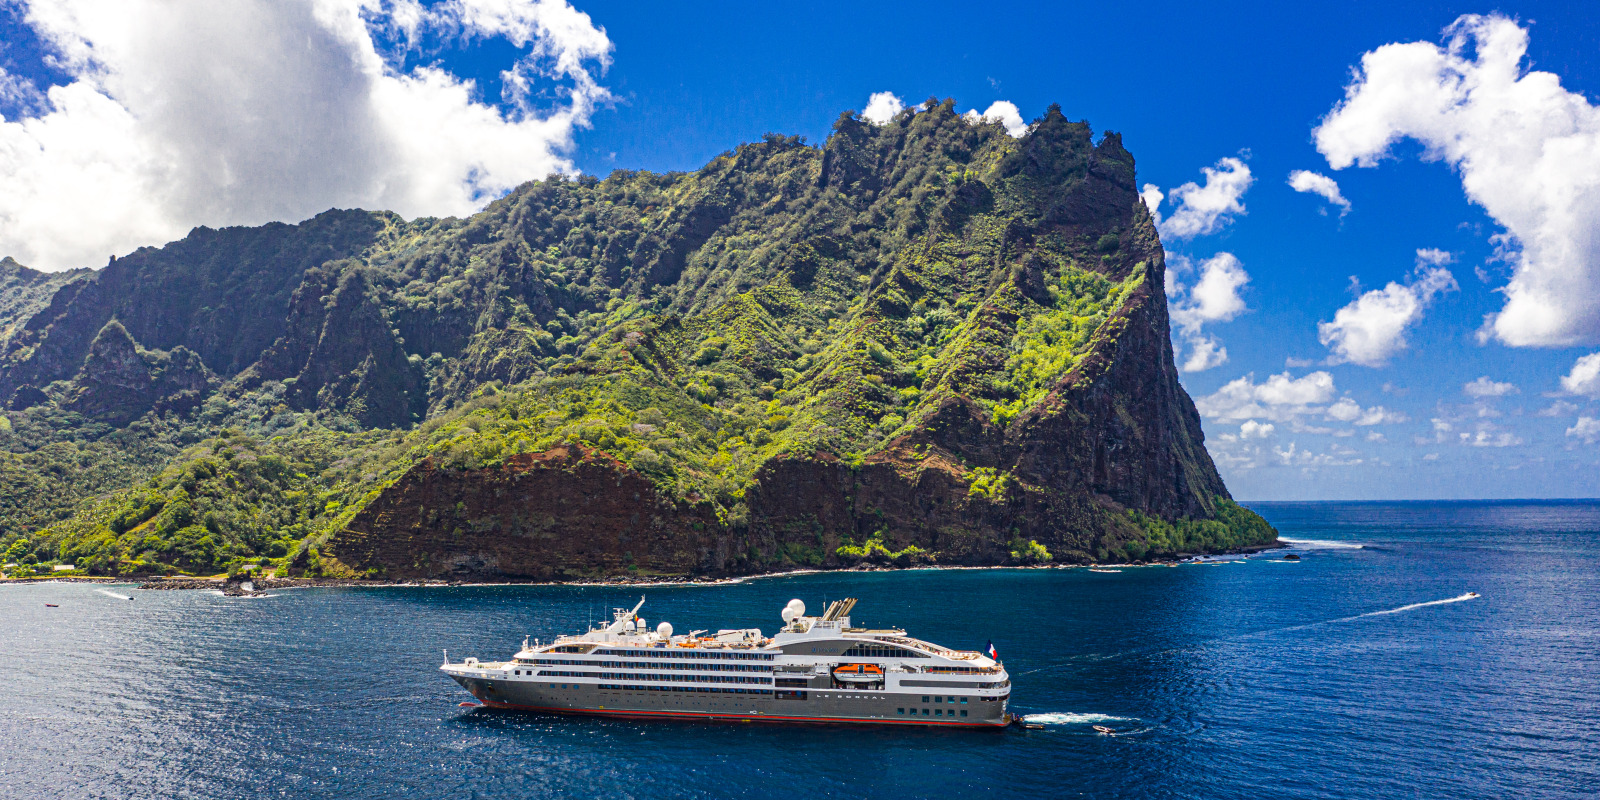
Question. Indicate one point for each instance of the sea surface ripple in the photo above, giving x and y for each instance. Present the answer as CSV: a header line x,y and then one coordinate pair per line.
x,y
1362,670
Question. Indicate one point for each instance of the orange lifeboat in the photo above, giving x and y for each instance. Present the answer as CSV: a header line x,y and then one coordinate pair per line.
x,y
858,673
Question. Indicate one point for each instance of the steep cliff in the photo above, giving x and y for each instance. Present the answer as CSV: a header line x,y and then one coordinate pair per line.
x,y
924,341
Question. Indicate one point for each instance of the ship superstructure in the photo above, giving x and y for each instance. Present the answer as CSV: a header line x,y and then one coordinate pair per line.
x,y
814,669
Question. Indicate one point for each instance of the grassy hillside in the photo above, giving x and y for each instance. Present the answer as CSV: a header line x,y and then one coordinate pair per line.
x,y
928,292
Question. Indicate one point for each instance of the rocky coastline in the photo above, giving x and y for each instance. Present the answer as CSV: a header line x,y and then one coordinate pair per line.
x,y
235,587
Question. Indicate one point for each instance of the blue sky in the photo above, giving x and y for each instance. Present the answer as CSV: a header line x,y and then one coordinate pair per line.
x,y
305,104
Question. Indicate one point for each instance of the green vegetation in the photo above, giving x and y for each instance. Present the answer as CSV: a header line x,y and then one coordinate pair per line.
x,y
782,301
1234,527
1030,552
873,550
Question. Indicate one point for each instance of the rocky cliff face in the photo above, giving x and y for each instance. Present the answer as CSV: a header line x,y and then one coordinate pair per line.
x,y
567,513
922,341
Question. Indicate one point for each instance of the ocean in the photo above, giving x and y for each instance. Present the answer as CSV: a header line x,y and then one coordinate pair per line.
x,y
1361,670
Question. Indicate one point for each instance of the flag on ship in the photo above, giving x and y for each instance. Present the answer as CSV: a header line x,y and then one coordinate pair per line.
x,y
994,654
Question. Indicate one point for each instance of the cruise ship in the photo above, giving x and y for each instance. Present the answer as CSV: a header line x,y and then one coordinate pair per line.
x,y
818,669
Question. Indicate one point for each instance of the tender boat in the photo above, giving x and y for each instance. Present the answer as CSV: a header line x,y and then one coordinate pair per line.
x,y
858,673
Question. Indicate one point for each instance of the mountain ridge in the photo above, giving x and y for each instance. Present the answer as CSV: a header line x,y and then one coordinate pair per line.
x,y
955,342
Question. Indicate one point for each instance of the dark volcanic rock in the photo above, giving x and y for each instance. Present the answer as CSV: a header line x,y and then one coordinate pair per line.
x,y
119,381
566,514
923,341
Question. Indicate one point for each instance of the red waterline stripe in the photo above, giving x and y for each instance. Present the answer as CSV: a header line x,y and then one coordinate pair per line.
x,y
704,715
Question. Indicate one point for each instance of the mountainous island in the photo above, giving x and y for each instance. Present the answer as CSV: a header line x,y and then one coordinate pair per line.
x,y
921,342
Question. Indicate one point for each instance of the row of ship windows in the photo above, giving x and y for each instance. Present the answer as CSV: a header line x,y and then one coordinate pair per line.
x,y
633,677
881,651
669,653
711,689
937,712
573,662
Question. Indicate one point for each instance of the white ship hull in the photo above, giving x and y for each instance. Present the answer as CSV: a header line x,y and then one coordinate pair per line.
x,y
788,678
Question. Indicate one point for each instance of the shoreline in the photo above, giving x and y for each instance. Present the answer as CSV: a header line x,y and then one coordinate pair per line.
x,y
232,588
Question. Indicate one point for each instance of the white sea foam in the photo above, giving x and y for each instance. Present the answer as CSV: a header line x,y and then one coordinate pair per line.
x,y
1456,599
1072,719
1410,607
114,594
1320,544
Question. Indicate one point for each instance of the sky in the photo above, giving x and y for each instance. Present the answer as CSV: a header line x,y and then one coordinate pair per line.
x,y
1382,218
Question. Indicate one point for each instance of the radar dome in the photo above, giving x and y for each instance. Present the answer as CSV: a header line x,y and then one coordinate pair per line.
x,y
794,610
665,630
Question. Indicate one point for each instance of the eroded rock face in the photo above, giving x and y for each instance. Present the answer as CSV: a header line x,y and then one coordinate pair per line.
x,y
567,514
1115,433
923,341
119,381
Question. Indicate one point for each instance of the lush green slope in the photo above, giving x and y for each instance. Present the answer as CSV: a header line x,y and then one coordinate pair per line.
x,y
929,301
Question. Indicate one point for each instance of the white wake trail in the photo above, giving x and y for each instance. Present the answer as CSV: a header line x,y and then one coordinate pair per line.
x,y
114,594
1456,599
1071,719
1320,544
1257,634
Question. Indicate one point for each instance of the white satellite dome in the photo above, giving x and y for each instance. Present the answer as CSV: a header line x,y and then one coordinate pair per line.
x,y
665,630
794,610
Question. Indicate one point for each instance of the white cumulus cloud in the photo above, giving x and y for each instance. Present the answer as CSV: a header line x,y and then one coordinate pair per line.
x,y
1004,112
1372,328
1152,196
1559,408
1527,151
1584,379
1484,387
1208,208
1348,410
1434,256
219,112
1255,430
1205,352
1587,429
1304,180
1490,437
1280,397
1213,297
882,107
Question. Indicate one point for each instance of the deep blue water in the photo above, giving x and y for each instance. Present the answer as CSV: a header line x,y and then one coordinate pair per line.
x,y
1251,680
